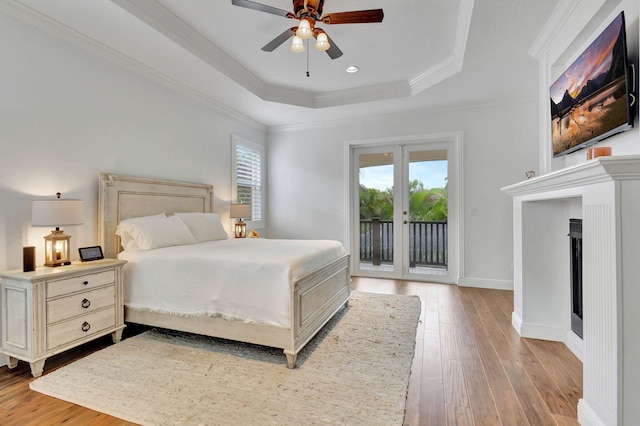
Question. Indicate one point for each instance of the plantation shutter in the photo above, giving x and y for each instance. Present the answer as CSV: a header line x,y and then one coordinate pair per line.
x,y
248,176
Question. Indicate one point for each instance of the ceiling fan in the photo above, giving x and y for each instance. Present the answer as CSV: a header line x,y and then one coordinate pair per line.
x,y
309,12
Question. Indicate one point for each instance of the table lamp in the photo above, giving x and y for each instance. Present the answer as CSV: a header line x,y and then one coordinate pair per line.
x,y
57,212
240,211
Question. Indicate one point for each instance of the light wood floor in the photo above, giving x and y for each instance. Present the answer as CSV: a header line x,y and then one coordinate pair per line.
x,y
470,368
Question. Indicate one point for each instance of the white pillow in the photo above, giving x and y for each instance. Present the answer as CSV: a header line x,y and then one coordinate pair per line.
x,y
151,232
204,226
122,230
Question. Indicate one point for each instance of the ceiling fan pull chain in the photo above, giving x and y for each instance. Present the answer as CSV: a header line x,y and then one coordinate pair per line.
x,y
307,49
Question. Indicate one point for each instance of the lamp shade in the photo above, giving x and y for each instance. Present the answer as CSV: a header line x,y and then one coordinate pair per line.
x,y
322,43
297,46
56,212
240,211
304,30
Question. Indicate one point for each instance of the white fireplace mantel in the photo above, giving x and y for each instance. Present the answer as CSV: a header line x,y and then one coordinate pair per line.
x,y
605,194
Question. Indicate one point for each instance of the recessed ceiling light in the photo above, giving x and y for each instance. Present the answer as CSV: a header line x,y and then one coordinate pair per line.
x,y
352,68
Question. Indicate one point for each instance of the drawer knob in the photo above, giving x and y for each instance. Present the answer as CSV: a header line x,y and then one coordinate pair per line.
x,y
86,326
85,282
86,303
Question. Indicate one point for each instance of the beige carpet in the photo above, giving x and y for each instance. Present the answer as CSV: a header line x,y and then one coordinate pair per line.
x,y
354,372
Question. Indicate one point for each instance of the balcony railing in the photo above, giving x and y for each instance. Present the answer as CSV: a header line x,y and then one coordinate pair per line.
x,y
427,243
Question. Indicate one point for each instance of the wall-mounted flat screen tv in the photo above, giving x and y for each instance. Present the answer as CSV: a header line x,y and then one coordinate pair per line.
x,y
591,101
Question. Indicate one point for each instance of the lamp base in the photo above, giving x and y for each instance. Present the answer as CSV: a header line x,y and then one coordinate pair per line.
x,y
240,229
56,248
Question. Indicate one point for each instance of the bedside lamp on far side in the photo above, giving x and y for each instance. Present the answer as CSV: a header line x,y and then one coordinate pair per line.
x,y
240,211
57,212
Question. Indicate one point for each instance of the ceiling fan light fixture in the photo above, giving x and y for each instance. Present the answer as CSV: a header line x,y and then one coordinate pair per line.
x,y
322,43
297,45
304,30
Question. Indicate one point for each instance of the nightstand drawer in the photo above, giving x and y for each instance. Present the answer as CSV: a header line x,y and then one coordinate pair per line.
x,y
79,283
80,303
80,327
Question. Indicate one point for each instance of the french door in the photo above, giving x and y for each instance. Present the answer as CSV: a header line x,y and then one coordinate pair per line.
x,y
400,207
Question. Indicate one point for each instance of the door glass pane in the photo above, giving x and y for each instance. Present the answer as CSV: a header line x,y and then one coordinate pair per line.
x,y
376,175
428,212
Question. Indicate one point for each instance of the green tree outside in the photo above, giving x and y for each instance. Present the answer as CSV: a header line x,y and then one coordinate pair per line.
x,y
425,204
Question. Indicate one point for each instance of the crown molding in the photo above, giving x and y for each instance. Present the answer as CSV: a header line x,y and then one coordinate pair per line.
x,y
31,17
452,64
378,92
165,22
571,24
434,75
412,114
563,10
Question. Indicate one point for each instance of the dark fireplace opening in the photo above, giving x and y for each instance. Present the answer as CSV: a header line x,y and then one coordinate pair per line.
x,y
575,234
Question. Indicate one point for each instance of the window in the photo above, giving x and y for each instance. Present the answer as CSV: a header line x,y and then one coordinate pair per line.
x,y
248,178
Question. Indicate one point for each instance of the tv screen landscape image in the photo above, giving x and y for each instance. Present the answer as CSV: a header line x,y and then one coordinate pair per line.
x,y
590,102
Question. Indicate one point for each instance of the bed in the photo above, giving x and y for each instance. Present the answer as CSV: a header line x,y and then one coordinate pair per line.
x,y
307,293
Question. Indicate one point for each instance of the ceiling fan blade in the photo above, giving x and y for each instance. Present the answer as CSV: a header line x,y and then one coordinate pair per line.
x,y
355,17
334,51
271,46
262,8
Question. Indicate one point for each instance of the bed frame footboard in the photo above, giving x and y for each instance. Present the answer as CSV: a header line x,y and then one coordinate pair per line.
x,y
316,298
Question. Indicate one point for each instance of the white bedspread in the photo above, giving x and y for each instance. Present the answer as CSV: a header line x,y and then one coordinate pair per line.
x,y
242,279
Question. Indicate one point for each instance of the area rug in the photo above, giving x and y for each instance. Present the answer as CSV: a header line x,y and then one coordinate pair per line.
x,y
354,372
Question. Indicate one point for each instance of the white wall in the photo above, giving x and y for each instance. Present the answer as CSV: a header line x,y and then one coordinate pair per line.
x,y
67,114
308,180
577,24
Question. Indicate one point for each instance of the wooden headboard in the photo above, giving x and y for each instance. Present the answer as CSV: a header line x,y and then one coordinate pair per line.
x,y
123,197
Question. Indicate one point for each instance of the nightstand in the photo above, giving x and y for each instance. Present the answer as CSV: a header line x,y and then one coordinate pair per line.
x,y
51,310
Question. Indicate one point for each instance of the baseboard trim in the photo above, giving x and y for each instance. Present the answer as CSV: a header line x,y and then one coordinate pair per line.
x,y
575,345
543,332
516,322
586,416
486,283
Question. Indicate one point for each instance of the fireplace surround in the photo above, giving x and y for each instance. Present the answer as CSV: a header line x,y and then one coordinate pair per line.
x,y
605,194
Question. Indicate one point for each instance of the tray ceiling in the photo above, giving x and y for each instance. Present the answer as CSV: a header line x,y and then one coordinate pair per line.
x,y
212,50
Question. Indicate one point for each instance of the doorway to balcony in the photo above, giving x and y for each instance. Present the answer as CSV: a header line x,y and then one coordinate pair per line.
x,y
401,210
